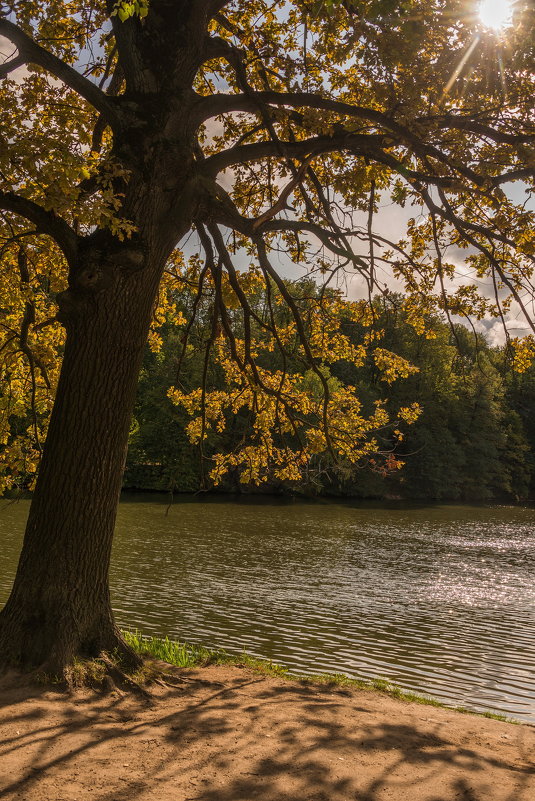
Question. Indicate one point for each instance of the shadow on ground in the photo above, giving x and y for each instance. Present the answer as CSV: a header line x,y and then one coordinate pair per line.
x,y
227,735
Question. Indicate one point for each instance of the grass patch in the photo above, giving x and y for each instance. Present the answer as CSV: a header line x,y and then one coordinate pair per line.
x,y
492,715
180,654
186,655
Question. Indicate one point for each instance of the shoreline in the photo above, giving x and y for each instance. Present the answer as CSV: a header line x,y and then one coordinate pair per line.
x,y
164,497
187,655
131,494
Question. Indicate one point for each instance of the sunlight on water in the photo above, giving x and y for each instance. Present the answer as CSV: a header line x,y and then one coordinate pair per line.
x,y
439,600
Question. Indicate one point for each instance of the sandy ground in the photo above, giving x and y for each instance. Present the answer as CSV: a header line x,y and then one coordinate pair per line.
x,y
232,735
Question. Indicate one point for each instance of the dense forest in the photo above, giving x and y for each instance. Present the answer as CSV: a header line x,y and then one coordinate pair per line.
x,y
474,439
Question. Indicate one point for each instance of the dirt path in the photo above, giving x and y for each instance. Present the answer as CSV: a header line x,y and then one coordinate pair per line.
x,y
232,735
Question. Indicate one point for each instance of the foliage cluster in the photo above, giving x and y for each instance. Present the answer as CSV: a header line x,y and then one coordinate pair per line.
x,y
474,438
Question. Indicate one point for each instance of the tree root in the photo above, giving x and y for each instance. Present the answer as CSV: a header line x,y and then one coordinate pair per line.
x,y
101,672
170,680
108,673
121,679
185,679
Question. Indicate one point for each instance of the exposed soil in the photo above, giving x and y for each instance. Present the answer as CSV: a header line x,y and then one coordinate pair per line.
x,y
228,734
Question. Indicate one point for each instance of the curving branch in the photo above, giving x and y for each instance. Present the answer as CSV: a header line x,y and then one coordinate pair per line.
x,y
10,66
514,175
30,52
215,6
364,144
251,101
459,123
372,146
46,222
214,105
215,47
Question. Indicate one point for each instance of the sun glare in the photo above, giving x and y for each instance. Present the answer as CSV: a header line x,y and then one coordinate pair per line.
x,y
495,14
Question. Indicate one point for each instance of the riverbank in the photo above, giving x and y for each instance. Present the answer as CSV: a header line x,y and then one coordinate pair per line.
x,y
188,655
435,599
225,733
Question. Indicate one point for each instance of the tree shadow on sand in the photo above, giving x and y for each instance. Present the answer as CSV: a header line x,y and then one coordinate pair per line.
x,y
248,738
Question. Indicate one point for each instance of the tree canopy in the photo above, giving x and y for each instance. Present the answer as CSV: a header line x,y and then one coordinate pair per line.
x,y
473,441
259,138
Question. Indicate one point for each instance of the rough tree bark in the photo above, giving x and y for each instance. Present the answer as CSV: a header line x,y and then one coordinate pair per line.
x,y
59,607
60,603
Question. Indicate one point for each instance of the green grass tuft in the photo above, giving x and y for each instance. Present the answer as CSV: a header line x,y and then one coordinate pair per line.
x,y
180,654
492,715
186,655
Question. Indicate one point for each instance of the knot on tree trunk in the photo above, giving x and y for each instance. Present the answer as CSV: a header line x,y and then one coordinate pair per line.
x,y
93,279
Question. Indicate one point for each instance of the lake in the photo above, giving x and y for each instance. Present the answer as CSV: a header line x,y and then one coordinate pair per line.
x,y
439,600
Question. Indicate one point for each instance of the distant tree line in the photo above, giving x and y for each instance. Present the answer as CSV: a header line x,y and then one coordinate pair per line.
x,y
474,440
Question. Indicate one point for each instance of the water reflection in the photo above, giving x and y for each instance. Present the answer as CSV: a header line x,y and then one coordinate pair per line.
x,y
439,600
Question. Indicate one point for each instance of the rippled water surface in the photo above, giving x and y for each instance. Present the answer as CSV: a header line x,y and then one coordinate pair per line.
x,y
439,600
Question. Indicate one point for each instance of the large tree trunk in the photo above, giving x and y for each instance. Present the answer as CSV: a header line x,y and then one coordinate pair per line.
x,y
60,604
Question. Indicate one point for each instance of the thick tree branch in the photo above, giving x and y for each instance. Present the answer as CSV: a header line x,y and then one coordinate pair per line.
x,y
215,6
205,10
126,35
225,23
46,222
365,144
214,105
368,145
459,123
250,101
226,103
215,47
32,53
112,90
513,175
11,66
